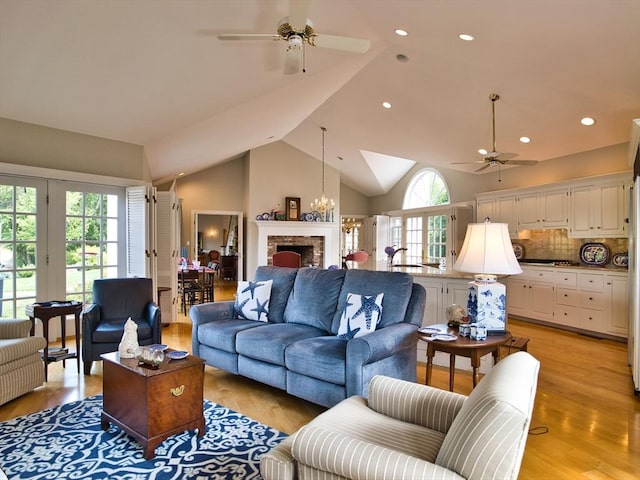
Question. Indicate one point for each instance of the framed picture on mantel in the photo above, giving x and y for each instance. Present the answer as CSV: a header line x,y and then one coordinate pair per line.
x,y
293,208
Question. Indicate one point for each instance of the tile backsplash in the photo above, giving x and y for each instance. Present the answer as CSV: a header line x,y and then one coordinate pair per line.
x,y
555,244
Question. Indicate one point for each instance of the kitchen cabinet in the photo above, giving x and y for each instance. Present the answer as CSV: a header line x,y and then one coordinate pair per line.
x,y
531,294
593,301
543,209
441,293
501,209
598,211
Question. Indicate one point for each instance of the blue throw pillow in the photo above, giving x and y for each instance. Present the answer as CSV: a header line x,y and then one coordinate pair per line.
x,y
252,300
360,315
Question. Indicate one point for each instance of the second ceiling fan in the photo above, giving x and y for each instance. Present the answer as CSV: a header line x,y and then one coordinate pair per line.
x,y
494,157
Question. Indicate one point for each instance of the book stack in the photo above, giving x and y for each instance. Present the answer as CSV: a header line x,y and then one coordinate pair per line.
x,y
56,353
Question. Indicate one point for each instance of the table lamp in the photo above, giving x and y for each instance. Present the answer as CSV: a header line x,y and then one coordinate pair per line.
x,y
487,252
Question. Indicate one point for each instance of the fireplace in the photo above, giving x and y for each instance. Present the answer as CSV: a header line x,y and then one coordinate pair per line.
x,y
274,236
305,251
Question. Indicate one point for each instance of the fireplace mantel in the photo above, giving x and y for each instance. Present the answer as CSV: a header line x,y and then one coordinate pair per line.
x,y
328,230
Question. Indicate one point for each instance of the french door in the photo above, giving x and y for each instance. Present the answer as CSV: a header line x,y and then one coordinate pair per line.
x,y
56,238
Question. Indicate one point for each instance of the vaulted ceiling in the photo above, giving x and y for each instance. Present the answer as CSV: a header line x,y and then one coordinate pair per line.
x,y
154,73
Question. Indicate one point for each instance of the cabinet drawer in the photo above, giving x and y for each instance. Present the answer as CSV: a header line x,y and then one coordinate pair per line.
x,y
594,282
538,275
566,315
591,320
566,279
565,296
598,301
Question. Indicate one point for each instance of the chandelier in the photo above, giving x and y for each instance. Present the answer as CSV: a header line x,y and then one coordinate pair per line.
x,y
348,224
324,205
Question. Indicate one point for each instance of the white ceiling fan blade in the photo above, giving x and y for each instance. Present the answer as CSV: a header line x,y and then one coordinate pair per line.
x,y
298,14
522,162
248,36
484,167
293,61
467,163
348,44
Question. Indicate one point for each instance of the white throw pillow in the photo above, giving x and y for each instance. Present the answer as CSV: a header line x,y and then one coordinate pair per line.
x,y
360,316
252,300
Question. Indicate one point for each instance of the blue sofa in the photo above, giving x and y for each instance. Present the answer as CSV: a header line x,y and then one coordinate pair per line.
x,y
298,349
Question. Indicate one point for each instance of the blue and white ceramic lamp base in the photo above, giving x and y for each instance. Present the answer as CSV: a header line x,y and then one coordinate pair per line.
x,y
487,305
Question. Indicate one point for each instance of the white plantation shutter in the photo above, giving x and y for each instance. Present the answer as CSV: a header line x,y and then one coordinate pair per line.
x,y
167,218
140,208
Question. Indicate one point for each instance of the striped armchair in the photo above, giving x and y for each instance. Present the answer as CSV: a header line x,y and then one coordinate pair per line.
x,y
21,368
406,430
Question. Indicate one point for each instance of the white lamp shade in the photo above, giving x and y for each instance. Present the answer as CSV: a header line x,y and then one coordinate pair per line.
x,y
487,249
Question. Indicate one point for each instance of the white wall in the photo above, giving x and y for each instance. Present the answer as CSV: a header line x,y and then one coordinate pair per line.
x,y
276,171
37,146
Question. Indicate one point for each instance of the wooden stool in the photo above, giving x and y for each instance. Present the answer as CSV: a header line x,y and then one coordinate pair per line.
x,y
519,343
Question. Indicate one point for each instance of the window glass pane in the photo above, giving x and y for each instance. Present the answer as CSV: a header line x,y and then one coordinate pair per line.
x,y
6,198
91,242
427,188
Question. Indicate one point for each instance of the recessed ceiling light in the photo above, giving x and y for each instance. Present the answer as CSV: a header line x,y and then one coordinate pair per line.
x,y
482,151
340,158
181,174
588,121
466,37
400,32
402,58
525,139
386,104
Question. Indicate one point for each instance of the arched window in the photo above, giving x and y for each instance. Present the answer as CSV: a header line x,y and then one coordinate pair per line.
x,y
427,188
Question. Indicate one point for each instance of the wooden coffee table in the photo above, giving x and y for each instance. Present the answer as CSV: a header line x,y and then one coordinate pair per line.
x,y
152,405
465,347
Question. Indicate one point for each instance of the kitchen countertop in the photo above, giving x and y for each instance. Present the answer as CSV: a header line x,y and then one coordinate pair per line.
x,y
432,272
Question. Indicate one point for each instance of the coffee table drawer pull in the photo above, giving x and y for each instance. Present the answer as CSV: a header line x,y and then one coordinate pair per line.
x,y
177,391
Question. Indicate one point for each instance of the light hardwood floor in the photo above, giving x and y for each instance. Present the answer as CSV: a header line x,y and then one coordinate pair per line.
x,y
585,399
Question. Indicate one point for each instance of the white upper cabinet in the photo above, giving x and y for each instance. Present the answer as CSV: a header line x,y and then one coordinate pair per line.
x,y
590,207
599,211
544,209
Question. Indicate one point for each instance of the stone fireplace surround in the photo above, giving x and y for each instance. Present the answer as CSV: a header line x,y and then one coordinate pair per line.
x,y
323,236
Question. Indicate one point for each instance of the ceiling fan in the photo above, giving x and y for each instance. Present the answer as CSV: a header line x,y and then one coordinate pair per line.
x,y
495,158
297,30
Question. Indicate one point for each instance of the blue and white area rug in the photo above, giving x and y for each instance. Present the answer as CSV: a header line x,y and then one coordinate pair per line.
x,y
66,442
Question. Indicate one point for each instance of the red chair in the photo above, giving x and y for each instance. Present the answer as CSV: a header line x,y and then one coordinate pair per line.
x,y
356,257
286,259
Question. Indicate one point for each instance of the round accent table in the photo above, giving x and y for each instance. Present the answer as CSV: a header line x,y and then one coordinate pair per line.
x,y
465,347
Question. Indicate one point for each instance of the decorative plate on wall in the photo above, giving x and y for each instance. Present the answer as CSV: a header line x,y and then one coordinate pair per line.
x,y
620,259
594,253
518,250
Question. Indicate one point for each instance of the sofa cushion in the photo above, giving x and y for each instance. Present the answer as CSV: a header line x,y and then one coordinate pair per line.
x,y
397,288
252,300
268,342
320,357
222,334
283,279
360,315
314,297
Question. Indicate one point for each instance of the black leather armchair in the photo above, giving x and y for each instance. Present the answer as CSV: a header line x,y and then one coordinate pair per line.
x,y
114,301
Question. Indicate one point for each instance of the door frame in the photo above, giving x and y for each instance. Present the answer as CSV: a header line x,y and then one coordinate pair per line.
x,y
236,213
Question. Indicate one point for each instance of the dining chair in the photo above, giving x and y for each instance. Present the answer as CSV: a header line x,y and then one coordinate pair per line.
x,y
286,259
190,288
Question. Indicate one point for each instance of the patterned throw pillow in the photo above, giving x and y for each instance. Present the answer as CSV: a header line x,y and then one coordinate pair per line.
x,y
252,300
360,315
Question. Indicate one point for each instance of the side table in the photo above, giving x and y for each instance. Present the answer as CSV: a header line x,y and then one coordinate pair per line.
x,y
465,347
45,311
